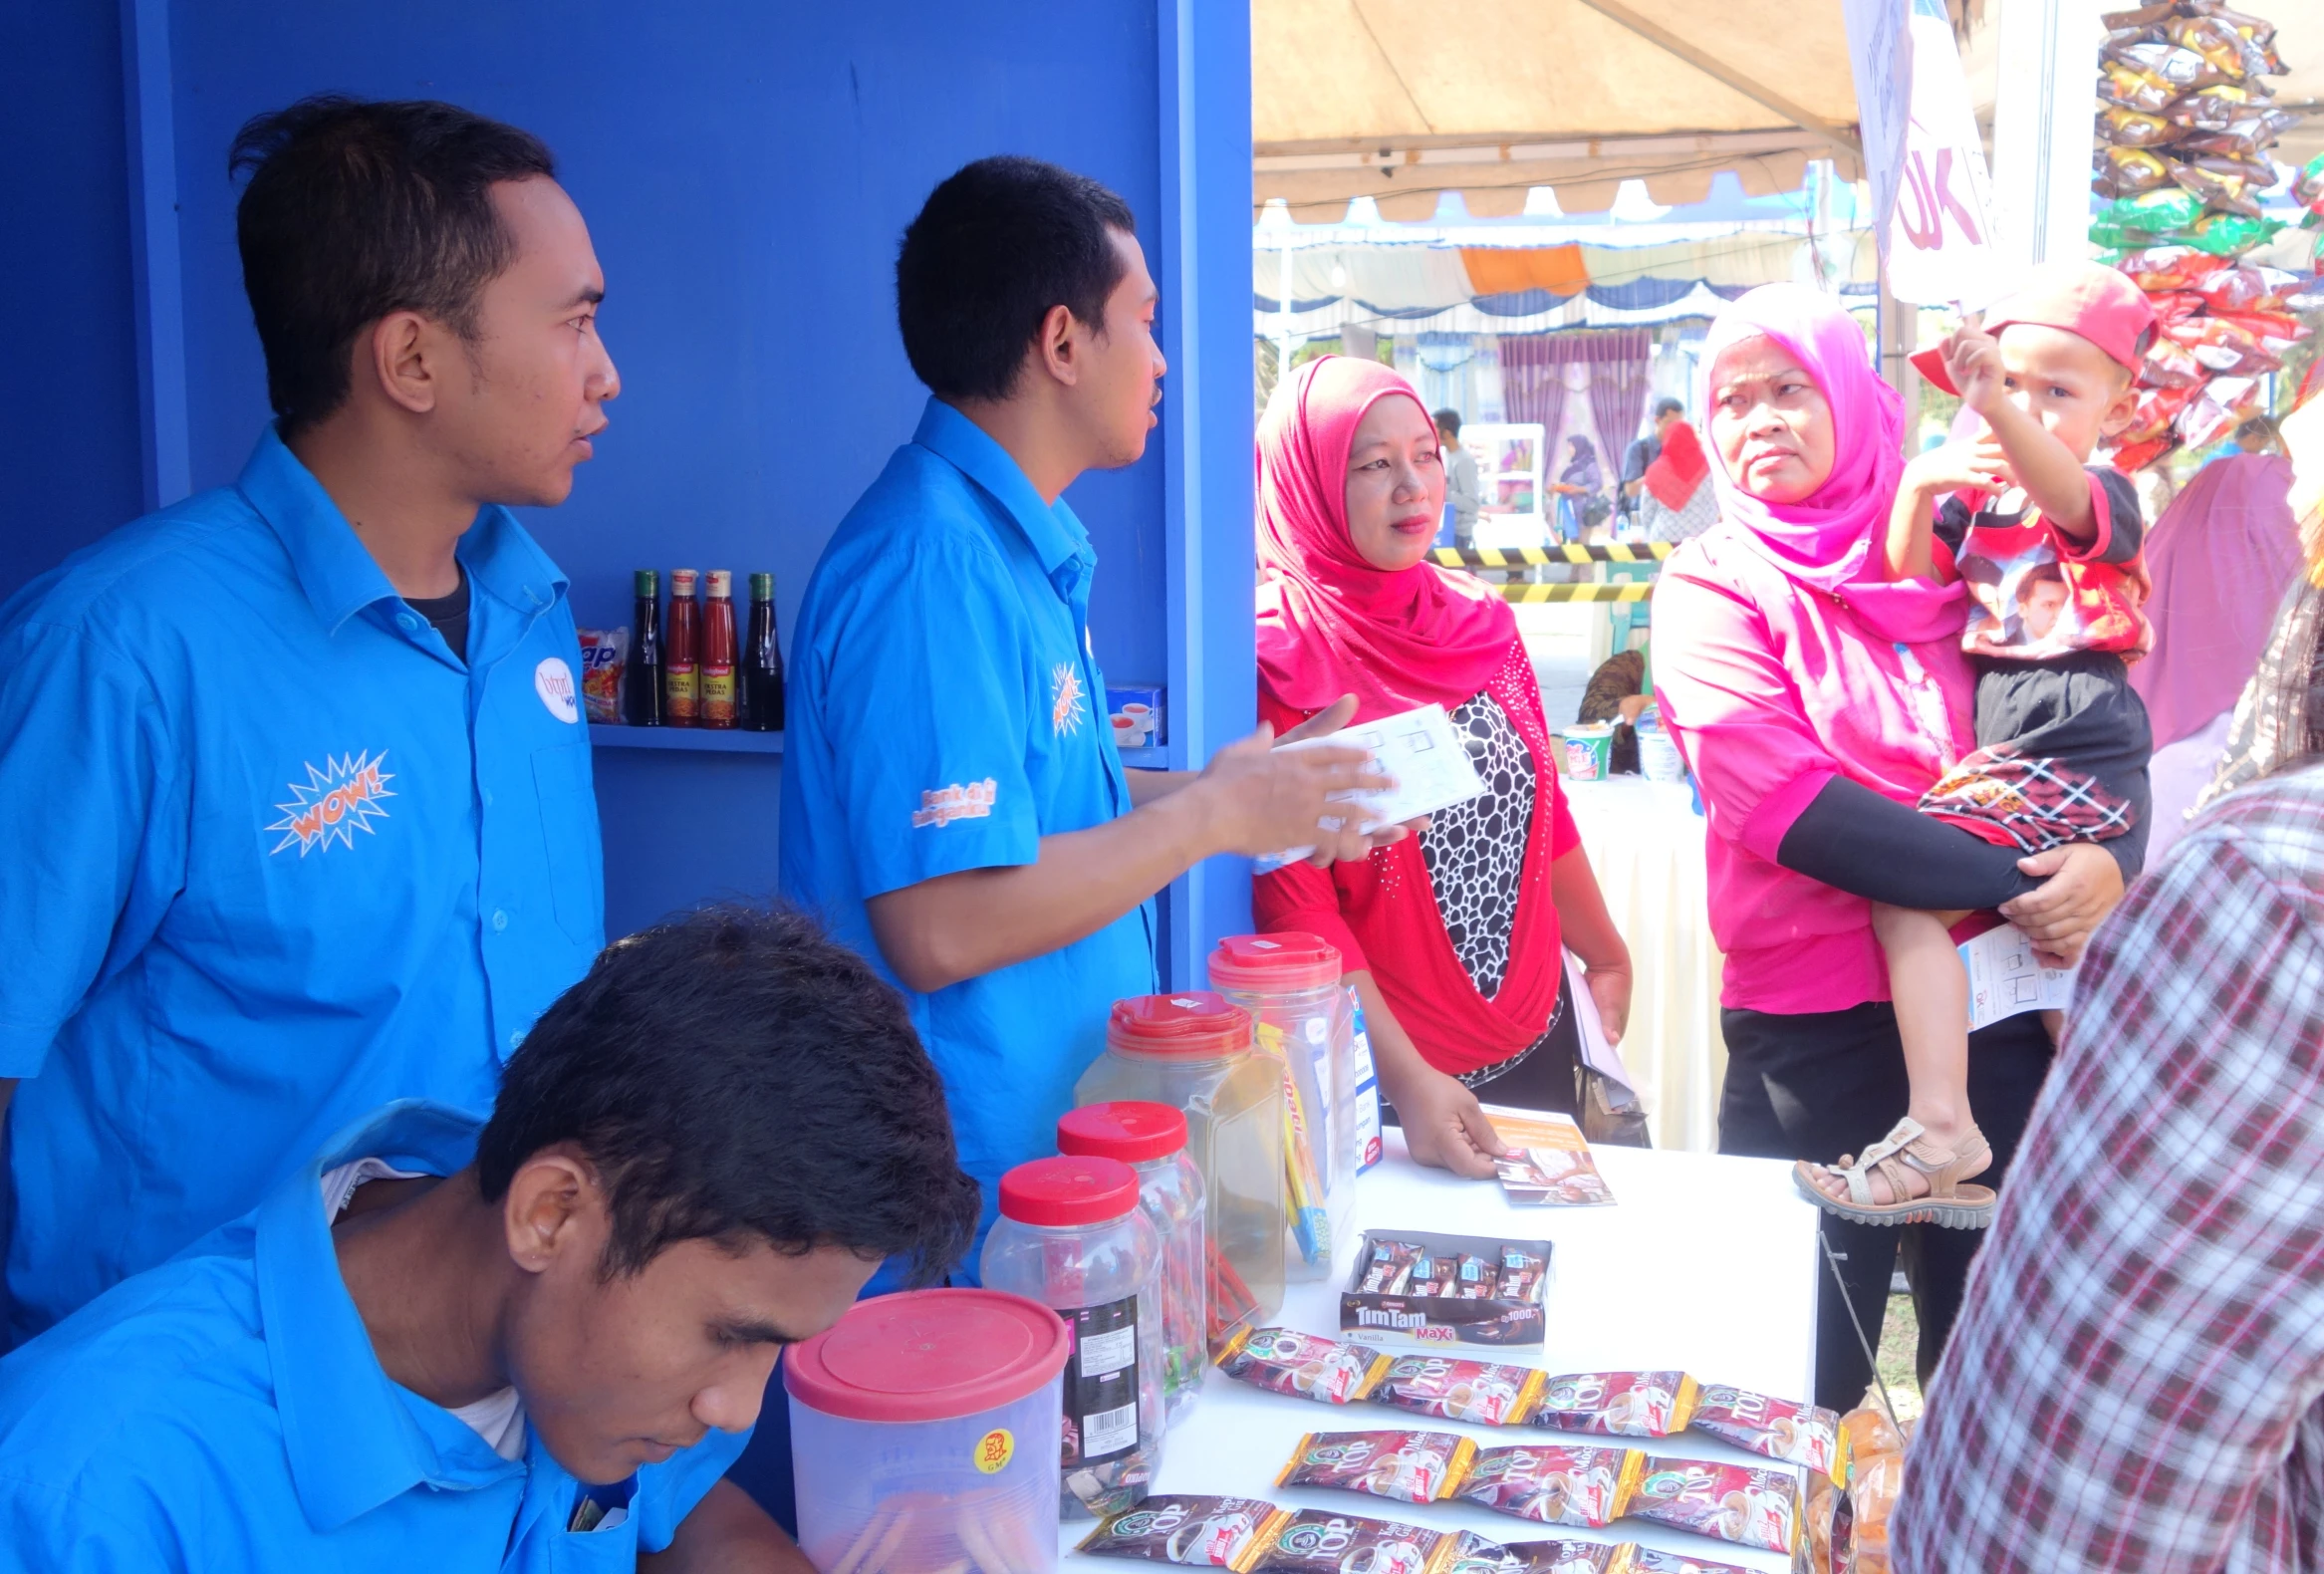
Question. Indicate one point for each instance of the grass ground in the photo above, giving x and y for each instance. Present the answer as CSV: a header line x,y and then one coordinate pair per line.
x,y
1900,1334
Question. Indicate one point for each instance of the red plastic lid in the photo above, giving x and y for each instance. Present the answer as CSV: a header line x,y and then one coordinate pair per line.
x,y
1264,964
927,1355
1072,1191
1198,1026
1126,1128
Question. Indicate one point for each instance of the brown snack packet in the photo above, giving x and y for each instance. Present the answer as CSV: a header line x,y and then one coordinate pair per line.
x,y
1320,1541
1204,1532
1552,1483
1409,1467
1286,1361
1729,1502
1451,1389
1616,1404
1781,1429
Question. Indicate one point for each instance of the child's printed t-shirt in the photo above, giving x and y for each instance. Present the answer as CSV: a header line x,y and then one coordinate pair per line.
x,y
2034,594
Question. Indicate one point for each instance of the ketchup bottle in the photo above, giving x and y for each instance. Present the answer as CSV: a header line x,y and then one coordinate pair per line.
x,y
718,651
681,651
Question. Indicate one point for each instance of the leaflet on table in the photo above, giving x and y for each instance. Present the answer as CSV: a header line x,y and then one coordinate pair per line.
x,y
2006,979
1417,750
1554,1167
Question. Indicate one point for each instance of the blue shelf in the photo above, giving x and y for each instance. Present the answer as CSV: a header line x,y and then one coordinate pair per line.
x,y
1147,759
701,740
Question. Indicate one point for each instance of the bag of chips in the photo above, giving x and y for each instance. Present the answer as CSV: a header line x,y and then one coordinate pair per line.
x,y
1552,1483
1319,1541
2131,458
1780,1428
2132,128
1409,1467
2234,43
2170,267
2276,332
2308,186
603,654
1204,1532
2216,410
2127,171
1450,1388
2184,69
2230,234
2238,287
1286,1361
2229,193
1616,1404
2169,364
2174,306
2128,88
2223,347
2155,412
1729,1502
2214,109
2168,210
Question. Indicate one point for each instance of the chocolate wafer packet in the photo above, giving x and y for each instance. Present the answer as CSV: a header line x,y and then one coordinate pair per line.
x,y
1204,1532
1729,1502
1319,1541
1286,1361
1780,1428
1552,1483
1450,1388
1646,1560
1562,1558
1616,1404
1409,1467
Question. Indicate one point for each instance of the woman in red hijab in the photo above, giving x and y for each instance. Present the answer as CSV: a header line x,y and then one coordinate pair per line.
x,y
1678,504
1451,938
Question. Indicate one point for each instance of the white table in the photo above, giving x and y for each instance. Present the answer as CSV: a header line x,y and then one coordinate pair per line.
x,y
1646,846
1703,1263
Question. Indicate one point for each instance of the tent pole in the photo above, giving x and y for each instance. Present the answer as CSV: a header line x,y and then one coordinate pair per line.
x,y
1283,308
2044,118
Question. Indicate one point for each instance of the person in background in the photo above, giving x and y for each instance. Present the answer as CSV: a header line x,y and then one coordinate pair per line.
x,y
1643,452
1676,501
2227,548
1617,693
1462,486
1580,490
304,753
1451,939
526,1343
1815,702
952,801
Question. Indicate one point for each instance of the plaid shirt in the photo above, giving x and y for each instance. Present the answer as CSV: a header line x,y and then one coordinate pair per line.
x,y
2134,1381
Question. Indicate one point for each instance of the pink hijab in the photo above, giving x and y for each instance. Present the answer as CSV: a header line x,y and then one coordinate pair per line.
x,y
2220,558
1824,542
1330,623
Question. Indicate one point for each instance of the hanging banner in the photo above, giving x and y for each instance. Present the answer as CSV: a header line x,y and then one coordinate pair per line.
x,y
1939,242
1880,56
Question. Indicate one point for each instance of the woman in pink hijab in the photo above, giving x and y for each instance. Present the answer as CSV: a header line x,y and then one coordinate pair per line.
x,y
1451,938
2220,558
1816,702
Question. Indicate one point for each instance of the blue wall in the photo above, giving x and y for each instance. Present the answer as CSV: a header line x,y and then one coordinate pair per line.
x,y
746,169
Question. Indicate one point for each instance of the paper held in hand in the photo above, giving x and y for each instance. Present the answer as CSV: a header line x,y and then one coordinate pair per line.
x,y
1553,1168
2005,977
1417,750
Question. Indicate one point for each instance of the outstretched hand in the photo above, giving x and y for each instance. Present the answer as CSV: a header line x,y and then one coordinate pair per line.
x,y
1445,1127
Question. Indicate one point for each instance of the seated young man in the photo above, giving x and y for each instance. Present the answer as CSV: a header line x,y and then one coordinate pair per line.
x,y
535,1344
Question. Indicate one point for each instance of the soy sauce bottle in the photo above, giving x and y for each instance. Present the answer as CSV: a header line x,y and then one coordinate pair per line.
x,y
642,703
762,660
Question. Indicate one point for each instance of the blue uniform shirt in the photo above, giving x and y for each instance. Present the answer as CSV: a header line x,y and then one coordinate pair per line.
x,y
277,857
946,714
225,1411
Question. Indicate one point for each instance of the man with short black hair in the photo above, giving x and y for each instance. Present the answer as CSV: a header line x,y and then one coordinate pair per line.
x,y
1462,492
527,1345
952,801
1643,452
315,822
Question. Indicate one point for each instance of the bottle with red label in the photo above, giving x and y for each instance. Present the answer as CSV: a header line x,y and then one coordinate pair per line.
x,y
718,649
681,652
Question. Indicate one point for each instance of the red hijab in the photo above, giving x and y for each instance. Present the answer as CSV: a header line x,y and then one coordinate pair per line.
x,y
1673,477
1330,623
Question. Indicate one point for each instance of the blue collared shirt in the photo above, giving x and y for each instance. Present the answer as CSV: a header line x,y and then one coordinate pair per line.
x,y
276,856
225,1411
945,713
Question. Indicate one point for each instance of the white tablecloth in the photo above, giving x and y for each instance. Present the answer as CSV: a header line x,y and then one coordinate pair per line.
x,y
1645,843
1703,1263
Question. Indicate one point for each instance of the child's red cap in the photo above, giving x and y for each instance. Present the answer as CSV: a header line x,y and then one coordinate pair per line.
x,y
2086,298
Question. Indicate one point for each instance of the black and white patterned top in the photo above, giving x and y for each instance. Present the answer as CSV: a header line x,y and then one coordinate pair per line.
x,y
1474,852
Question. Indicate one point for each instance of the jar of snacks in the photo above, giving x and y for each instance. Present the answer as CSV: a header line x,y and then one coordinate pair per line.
x,y
1073,1237
1194,1052
1151,1140
924,1432
1290,983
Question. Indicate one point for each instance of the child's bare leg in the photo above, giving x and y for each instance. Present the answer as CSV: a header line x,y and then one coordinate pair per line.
x,y
1931,993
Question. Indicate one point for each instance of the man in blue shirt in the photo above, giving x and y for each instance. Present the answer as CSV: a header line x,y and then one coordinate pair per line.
x,y
297,769
952,800
532,1345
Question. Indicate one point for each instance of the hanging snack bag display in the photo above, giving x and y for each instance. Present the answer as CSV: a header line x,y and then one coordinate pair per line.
x,y
1409,1467
1286,1361
1616,1403
1727,1502
1553,1484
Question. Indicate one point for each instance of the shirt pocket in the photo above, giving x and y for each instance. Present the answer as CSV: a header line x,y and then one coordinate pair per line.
x,y
576,862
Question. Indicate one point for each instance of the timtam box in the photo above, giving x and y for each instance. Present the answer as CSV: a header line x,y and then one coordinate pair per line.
x,y
1426,1288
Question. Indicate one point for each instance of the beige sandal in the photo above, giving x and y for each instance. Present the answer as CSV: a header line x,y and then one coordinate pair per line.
x,y
1909,1150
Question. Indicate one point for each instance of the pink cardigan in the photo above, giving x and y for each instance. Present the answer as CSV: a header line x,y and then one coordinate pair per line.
x,y
1771,689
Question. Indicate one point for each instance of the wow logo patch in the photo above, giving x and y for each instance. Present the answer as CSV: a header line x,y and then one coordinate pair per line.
x,y
337,801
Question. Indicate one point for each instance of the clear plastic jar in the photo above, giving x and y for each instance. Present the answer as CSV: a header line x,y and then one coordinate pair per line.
x,y
1195,1053
1151,1140
1290,983
1073,1237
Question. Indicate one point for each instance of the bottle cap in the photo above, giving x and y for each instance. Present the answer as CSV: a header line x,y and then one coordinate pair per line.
x,y
648,583
1066,1192
1128,1128
1196,1025
928,1355
1274,963
721,584
681,582
762,587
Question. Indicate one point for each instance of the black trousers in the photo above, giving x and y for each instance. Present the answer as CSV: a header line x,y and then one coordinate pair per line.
x,y
1818,1085
1543,1080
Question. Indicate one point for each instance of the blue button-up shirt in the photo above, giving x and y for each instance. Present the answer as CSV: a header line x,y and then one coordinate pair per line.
x,y
945,713
225,1411
277,855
